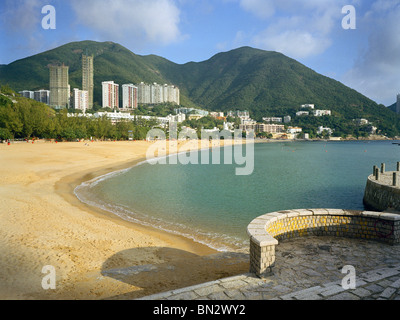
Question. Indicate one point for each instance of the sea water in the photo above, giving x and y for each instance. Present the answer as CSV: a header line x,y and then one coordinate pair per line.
x,y
212,205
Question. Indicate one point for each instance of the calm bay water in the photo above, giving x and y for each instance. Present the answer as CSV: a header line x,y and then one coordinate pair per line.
x,y
212,205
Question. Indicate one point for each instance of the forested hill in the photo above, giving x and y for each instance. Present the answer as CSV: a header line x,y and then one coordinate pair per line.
x,y
263,82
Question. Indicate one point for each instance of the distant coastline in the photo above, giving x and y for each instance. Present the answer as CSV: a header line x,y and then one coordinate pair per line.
x,y
372,138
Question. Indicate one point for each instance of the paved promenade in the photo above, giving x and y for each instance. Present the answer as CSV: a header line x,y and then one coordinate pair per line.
x,y
310,269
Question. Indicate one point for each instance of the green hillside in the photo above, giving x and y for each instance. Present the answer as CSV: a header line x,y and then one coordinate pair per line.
x,y
267,84
392,107
112,62
263,82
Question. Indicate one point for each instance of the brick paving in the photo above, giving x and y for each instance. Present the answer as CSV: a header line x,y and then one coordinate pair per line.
x,y
310,269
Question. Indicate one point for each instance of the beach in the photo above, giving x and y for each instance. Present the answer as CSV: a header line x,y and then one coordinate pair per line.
x,y
95,254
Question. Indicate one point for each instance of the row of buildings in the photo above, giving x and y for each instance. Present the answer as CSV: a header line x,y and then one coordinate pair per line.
x,y
39,95
60,96
246,123
311,111
133,95
116,117
60,90
277,130
315,113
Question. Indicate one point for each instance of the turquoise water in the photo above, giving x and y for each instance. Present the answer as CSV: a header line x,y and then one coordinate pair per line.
x,y
212,205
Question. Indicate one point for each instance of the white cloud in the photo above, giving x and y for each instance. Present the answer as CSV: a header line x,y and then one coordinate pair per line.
x,y
376,70
20,21
296,28
146,21
260,8
21,16
294,43
303,29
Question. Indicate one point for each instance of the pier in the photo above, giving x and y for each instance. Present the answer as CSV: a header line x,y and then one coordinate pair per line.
x,y
382,192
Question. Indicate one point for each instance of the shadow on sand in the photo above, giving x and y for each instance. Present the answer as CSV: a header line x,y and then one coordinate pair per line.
x,y
171,269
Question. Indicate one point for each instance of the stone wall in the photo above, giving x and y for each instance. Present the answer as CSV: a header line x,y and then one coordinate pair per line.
x,y
382,191
266,230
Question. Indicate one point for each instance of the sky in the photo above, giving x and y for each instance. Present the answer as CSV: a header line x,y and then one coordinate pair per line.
x,y
365,57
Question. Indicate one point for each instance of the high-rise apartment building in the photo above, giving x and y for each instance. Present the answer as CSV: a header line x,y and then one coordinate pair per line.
x,y
144,93
39,95
80,99
110,94
129,97
174,95
59,86
27,94
156,93
166,92
42,96
87,78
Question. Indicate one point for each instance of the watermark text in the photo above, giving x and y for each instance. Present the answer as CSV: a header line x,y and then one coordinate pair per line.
x,y
49,20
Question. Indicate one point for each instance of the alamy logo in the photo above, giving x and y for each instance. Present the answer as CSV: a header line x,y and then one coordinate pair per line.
x,y
49,20
349,281
49,280
210,142
350,20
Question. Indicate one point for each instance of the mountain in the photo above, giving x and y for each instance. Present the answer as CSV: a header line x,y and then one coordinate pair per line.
x,y
393,107
265,83
111,62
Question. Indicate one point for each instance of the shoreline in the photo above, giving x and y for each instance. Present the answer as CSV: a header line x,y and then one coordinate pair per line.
x,y
44,223
66,186
202,246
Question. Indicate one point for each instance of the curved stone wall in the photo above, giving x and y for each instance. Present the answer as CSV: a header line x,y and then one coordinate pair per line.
x,y
379,195
266,230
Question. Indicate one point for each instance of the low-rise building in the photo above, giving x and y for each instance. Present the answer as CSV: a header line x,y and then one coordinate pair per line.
x,y
177,118
372,129
320,113
294,130
115,116
248,127
322,129
302,113
272,119
217,114
239,114
187,111
195,116
361,122
270,128
287,119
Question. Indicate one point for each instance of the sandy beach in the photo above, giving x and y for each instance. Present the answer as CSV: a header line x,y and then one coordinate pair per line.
x,y
95,255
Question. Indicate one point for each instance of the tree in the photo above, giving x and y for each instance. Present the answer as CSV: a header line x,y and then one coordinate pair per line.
x,y
6,89
5,134
9,120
